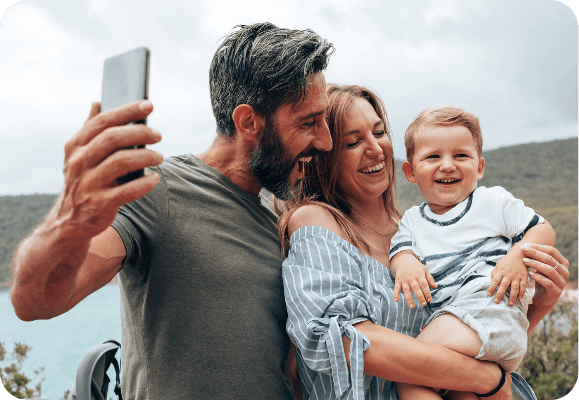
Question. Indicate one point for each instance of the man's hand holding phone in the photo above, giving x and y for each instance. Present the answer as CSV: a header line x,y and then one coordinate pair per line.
x,y
97,155
104,162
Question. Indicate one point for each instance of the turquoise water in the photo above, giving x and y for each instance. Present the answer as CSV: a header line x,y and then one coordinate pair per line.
x,y
59,344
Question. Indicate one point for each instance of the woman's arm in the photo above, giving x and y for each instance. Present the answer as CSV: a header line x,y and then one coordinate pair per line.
x,y
549,282
292,374
400,358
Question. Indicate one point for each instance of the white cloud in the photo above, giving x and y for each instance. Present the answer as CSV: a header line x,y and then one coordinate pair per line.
x,y
512,63
439,11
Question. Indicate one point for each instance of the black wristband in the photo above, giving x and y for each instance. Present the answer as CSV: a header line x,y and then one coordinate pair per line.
x,y
501,383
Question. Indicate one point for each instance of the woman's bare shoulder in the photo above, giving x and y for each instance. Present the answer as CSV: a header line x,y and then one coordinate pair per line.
x,y
314,214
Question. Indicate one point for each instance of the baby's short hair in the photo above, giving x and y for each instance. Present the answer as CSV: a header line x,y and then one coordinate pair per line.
x,y
448,116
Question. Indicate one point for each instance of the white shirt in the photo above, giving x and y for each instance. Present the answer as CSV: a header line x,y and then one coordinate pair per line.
x,y
466,241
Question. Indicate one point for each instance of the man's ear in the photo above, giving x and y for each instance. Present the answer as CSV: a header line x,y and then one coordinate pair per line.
x,y
408,171
481,168
248,122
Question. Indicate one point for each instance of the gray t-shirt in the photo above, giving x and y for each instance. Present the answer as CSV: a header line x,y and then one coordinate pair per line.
x,y
203,312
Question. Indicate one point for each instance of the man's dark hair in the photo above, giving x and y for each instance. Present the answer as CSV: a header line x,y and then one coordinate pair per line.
x,y
263,66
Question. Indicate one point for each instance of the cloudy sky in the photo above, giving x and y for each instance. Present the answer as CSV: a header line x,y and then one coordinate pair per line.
x,y
511,62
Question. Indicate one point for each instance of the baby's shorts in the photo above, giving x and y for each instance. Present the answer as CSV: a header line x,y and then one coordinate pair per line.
x,y
501,328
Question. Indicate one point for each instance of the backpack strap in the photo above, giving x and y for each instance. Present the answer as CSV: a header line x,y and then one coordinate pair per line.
x,y
92,380
111,359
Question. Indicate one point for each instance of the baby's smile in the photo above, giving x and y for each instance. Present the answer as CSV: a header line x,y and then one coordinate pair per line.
x,y
447,181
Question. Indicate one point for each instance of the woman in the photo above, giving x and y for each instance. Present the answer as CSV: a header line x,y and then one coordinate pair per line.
x,y
353,340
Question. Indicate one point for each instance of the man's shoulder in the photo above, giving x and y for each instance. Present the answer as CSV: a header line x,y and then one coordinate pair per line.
x,y
186,168
181,161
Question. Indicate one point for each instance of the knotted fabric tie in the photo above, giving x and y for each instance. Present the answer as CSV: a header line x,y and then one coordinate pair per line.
x,y
331,331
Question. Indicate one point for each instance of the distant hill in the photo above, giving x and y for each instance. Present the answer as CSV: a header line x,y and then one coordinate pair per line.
x,y
544,175
18,216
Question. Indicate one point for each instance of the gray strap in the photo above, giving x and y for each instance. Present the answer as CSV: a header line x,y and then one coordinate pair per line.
x,y
521,388
91,371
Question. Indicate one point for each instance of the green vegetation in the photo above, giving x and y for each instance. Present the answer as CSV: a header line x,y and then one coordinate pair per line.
x,y
550,365
15,381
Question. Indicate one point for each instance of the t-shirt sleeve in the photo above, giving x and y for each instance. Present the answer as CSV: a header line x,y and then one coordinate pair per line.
x,y
403,238
517,218
141,225
324,298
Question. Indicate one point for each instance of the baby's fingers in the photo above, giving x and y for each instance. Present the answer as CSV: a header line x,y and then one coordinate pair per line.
x,y
496,279
522,288
514,292
431,281
420,291
502,290
408,295
397,287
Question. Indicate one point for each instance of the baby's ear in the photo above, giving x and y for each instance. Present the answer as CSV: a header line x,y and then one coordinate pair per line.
x,y
409,171
481,168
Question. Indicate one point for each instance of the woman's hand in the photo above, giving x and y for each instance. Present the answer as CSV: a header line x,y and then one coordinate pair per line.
x,y
552,272
550,275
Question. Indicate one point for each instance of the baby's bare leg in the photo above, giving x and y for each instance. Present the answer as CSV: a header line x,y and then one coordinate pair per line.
x,y
450,332
407,391
461,396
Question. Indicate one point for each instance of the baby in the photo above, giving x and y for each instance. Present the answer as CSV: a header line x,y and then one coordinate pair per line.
x,y
464,243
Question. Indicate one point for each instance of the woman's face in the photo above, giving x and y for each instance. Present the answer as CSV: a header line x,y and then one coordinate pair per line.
x,y
366,154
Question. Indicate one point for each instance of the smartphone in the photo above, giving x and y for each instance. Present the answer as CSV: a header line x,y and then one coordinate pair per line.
x,y
126,79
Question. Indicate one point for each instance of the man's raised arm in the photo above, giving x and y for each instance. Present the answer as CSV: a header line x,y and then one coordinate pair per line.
x,y
74,251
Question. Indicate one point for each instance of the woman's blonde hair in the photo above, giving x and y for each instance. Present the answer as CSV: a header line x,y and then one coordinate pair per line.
x,y
321,174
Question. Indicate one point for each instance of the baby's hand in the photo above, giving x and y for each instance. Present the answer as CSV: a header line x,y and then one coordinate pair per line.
x,y
509,272
413,275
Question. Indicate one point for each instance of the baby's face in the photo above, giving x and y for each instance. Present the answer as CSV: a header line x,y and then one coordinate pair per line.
x,y
445,165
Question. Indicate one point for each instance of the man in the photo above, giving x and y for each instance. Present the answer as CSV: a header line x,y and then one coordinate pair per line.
x,y
203,314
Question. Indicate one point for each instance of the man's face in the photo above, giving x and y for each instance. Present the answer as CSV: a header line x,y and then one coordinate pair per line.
x,y
291,136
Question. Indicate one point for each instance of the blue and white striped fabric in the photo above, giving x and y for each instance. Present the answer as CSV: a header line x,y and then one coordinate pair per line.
x,y
329,287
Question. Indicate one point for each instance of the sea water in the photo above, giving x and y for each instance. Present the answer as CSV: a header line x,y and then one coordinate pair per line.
x,y
59,344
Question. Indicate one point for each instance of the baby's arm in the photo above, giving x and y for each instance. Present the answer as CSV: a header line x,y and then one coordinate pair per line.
x,y
511,271
411,274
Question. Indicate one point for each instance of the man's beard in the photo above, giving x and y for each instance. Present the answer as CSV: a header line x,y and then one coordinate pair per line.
x,y
272,164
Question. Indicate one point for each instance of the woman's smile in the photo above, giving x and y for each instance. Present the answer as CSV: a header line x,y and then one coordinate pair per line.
x,y
374,168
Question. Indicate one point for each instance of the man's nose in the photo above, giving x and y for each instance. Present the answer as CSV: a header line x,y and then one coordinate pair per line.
x,y
323,140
